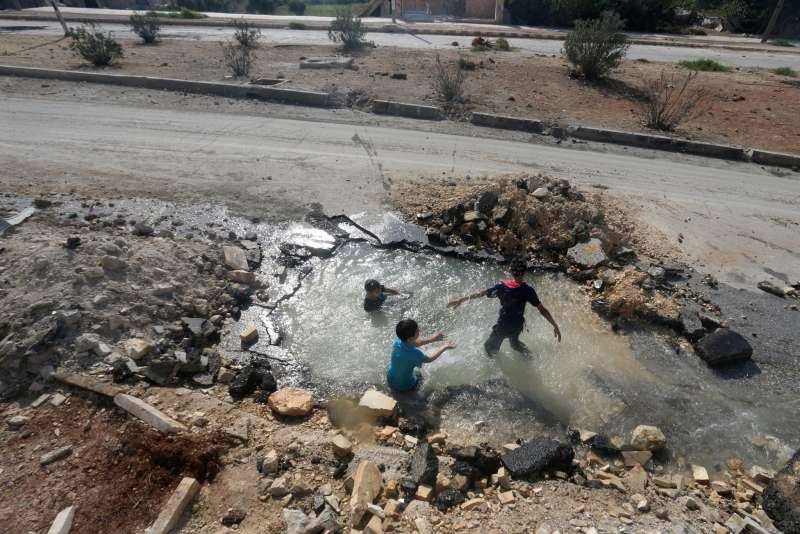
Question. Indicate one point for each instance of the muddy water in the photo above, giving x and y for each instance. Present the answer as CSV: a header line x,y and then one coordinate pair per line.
x,y
594,379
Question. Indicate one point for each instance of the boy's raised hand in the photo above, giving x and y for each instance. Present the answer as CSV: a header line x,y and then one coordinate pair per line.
x,y
438,336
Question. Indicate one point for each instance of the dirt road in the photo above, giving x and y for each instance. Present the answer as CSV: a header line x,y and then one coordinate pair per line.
x,y
737,221
658,53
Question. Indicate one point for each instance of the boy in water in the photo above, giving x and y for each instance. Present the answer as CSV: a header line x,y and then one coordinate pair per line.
x,y
406,355
376,294
513,295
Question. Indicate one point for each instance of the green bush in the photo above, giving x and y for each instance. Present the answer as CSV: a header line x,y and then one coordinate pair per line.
x,y
554,12
146,26
96,47
706,65
298,7
347,30
595,47
785,71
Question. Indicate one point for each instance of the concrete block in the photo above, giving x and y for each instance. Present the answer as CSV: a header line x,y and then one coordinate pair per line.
x,y
413,111
332,62
150,415
62,524
171,514
775,159
504,122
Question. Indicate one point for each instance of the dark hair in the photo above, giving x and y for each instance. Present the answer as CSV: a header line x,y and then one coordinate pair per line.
x,y
406,328
371,285
518,266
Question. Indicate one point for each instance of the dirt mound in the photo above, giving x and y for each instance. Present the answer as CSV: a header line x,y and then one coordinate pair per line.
x,y
119,474
536,216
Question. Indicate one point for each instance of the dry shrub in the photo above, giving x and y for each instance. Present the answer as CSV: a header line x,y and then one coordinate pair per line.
x,y
670,100
448,82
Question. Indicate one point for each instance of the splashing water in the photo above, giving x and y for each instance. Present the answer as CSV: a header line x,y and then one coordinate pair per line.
x,y
594,378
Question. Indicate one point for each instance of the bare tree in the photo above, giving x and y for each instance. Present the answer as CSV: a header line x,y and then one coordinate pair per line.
x,y
773,21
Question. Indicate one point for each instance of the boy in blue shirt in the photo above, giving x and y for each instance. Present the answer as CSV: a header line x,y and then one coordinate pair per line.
x,y
513,295
406,355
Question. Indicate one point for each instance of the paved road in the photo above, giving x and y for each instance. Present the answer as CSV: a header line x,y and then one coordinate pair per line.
x,y
658,53
739,220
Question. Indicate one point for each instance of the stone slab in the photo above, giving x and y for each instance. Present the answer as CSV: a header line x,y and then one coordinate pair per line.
x,y
62,524
171,514
150,415
87,383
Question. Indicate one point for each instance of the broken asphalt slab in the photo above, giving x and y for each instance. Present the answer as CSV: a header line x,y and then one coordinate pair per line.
x,y
150,415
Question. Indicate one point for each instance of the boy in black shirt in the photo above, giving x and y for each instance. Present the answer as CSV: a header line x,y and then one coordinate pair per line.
x,y
376,294
513,295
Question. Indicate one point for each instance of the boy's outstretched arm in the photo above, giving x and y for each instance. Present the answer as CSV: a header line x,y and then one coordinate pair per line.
x,y
432,339
546,314
438,352
391,291
458,302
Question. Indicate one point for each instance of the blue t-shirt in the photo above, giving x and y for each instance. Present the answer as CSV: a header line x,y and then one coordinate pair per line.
x,y
405,357
512,302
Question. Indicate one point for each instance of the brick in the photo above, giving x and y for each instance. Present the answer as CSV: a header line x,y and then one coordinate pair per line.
x,y
249,334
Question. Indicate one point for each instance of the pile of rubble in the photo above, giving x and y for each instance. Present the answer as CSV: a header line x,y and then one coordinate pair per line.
x,y
393,481
112,295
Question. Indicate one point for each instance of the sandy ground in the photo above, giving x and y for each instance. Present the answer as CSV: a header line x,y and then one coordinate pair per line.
x,y
750,107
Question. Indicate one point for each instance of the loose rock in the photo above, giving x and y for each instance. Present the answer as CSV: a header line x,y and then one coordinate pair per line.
x,y
537,455
648,438
723,347
291,402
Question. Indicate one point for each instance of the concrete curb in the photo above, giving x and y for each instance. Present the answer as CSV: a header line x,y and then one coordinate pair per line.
x,y
229,90
505,122
150,415
387,28
640,140
658,142
414,111
775,159
172,512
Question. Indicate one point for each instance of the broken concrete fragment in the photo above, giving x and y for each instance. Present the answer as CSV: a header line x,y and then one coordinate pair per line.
x,y
341,446
506,497
291,402
235,258
632,458
648,438
17,421
249,334
332,62
424,493
150,415
587,255
137,348
374,526
761,475
171,514
700,475
376,404
242,277
367,485
41,399
62,524
87,383
473,504
56,455
57,399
